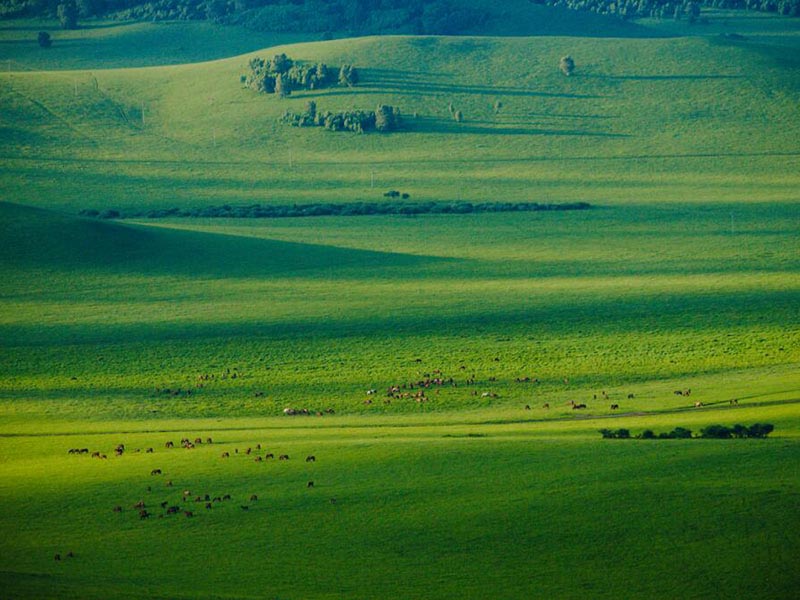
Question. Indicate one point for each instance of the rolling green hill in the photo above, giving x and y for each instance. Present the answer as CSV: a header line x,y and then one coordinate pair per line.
x,y
673,302
685,119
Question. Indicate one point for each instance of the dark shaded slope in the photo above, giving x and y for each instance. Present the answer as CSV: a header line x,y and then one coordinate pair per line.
x,y
35,238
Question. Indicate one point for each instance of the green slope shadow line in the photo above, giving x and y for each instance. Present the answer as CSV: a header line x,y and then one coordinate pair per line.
x,y
36,238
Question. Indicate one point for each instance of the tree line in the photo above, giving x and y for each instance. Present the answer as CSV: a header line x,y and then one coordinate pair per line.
x,y
351,17
258,211
688,10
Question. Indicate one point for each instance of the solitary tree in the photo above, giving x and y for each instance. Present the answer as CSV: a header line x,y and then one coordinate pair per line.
x,y
348,75
68,14
281,86
567,65
44,39
385,118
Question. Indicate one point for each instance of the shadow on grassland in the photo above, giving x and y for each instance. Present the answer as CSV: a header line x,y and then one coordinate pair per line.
x,y
33,239
418,316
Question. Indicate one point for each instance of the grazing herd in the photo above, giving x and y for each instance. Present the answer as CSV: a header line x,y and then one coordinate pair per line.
x,y
146,509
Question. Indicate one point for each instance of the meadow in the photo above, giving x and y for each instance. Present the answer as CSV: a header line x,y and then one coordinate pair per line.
x,y
685,275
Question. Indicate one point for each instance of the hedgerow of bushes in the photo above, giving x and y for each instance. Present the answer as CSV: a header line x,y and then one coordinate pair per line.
x,y
257,211
717,432
383,119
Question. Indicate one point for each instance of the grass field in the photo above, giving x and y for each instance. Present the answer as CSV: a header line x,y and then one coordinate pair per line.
x,y
684,276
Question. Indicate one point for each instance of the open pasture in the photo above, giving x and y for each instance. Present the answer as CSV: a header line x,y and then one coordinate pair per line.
x,y
190,136
412,511
438,358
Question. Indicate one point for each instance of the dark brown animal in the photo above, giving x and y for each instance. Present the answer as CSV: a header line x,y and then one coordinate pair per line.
x,y
283,457
310,484
311,458
253,498
614,406
155,472
226,455
269,455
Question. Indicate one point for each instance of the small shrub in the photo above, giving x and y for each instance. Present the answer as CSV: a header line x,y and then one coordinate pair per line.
x,y
44,39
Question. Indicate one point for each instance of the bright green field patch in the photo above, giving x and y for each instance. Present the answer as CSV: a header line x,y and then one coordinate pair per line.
x,y
419,512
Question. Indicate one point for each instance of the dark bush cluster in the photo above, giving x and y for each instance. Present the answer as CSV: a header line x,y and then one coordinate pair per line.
x,y
281,75
673,9
257,211
383,119
720,432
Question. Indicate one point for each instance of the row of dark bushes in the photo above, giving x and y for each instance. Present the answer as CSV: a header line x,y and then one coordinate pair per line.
x,y
383,119
257,211
281,75
717,432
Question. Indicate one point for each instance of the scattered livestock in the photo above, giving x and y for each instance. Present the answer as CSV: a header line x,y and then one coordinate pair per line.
x,y
698,404
310,484
546,405
311,458
734,402
155,472
283,457
614,406
253,498
686,392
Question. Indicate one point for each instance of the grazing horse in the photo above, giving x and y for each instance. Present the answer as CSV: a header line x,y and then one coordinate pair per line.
x,y
245,507
283,457
209,441
117,509
155,472
631,396
169,445
310,484
311,458
269,455
57,557
698,404
143,514
188,513
614,406
253,498
546,405
226,455
226,497
734,401
577,406
527,407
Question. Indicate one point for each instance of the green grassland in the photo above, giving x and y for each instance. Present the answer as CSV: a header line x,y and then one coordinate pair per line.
x,y
728,131
686,275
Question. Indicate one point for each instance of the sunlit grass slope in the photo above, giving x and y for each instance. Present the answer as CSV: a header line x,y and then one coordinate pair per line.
x,y
685,119
313,312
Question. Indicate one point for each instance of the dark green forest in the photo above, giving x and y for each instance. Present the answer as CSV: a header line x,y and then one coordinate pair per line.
x,y
357,17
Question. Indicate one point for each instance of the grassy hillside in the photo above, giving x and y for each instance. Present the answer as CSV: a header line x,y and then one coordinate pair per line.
x,y
684,277
313,312
727,132
420,512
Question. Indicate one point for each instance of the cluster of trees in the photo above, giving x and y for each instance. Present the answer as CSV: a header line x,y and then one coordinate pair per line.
x,y
257,211
673,9
281,75
383,119
758,430
351,17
